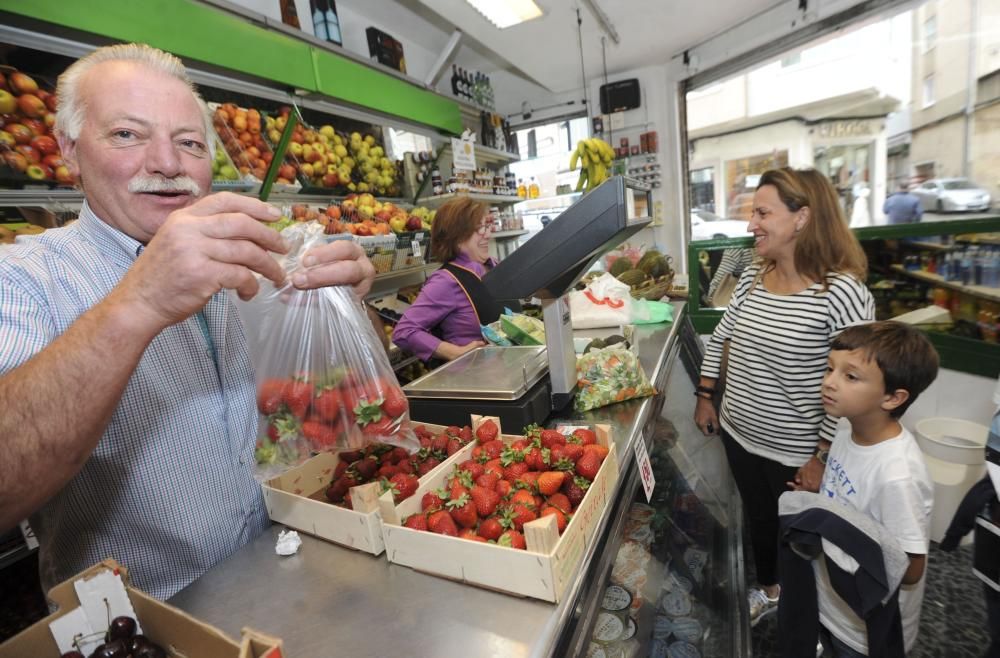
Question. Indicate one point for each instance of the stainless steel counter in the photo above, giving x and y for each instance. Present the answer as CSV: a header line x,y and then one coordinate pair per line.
x,y
328,600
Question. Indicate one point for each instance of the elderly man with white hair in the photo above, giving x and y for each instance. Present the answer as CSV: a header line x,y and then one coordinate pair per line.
x,y
129,420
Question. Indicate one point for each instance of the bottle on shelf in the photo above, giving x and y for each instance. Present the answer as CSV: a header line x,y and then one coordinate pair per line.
x,y
522,191
454,81
533,191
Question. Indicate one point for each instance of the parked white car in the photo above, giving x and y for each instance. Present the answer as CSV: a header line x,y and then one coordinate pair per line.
x,y
709,226
951,195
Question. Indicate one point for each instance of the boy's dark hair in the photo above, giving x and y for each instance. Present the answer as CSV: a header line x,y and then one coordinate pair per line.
x,y
903,354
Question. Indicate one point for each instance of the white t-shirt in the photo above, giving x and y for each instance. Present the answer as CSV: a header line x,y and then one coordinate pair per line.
x,y
888,482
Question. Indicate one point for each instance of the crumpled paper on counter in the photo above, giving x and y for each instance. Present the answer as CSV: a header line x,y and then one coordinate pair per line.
x,y
288,543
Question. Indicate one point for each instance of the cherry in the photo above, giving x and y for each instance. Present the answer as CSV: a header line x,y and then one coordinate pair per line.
x,y
121,628
113,649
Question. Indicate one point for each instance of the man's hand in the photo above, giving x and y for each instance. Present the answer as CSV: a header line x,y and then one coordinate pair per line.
x,y
338,263
218,242
808,477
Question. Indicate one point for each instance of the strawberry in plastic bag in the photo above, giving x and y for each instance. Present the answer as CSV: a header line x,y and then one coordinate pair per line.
x,y
324,380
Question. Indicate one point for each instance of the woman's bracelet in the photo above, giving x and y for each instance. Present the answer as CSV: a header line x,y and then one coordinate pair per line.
x,y
705,389
703,395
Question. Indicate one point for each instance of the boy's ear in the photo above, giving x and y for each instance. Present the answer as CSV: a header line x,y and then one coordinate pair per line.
x,y
892,400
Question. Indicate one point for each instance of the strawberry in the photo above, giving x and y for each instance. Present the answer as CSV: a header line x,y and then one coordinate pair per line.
x,y
453,430
572,451
339,469
463,510
442,523
490,528
527,480
485,500
327,404
523,497
422,432
367,411
386,471
495,466
433,500
403,486
472,535
454,445
395,404
365,468
487,431
537,459
503,488
512,539
493,449
551,438
270,395
381,427
533,433
559,501
597,449
585,436
514,471
405,466
560,517
338,489
416,522
488,480
427,465
350,456
282,427
549,482
575,489
298,396
319,434
520,445
474,468
465,434
399,455
587,465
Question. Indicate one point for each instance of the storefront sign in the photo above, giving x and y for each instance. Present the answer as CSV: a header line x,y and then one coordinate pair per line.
x,y
463,154
847,128
645,468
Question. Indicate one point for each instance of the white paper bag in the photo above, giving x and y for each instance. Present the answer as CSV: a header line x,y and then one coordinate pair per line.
x,y
606,302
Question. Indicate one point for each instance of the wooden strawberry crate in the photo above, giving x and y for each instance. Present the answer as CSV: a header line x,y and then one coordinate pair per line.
x,y
543,571
297,499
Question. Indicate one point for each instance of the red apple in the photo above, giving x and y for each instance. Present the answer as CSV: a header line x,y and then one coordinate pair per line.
x,y
31,105
64,175
53,160
3,81
36,126
15,160
22,84
52,102
49,121
7,102
330,180
29,152
38,171
45,145
22,134
287,171
413,223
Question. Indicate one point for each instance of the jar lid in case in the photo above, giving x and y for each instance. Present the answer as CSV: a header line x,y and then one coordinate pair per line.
x,y
687,629
682,649
658,649
662,627
630,629
616,598
608,628
676,603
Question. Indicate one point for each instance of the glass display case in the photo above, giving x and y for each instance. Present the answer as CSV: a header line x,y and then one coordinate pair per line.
x,y
942,276
672,581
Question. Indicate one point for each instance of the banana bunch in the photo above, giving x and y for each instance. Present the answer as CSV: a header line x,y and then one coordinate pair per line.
x,y
593,156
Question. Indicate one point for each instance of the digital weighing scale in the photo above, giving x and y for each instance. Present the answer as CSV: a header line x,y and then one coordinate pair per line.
x,y
523,385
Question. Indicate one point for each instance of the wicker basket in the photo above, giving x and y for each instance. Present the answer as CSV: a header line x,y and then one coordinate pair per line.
x,y
654,290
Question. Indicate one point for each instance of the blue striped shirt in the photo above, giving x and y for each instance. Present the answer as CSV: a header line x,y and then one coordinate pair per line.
x,y
169,490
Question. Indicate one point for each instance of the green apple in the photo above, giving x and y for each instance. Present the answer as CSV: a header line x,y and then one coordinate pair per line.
x,y
228,172
7,102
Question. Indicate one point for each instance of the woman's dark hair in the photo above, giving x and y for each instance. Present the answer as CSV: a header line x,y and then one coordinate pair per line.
x,y
454,223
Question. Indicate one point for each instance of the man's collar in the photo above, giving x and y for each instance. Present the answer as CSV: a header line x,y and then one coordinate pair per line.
x,y
112,242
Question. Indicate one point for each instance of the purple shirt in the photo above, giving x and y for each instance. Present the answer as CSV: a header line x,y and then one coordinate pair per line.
x,y
442,304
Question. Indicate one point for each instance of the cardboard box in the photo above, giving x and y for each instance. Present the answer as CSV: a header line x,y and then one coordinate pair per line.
x,y
297,499
542,572
177,632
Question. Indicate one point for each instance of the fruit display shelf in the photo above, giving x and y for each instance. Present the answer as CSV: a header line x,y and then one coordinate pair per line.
x,y
542,571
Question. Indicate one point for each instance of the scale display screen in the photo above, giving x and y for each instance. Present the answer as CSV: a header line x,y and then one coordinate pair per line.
x,y
549,264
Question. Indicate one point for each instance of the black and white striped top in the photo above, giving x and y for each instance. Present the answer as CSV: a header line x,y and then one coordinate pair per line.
x,y
777,357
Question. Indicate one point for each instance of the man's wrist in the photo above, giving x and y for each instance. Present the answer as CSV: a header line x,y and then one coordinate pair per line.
x,y
822,454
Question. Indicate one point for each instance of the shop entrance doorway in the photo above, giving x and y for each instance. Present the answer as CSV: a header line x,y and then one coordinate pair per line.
x,y
848,167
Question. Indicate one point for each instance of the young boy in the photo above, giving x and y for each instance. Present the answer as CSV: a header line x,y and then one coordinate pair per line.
x,y
875,372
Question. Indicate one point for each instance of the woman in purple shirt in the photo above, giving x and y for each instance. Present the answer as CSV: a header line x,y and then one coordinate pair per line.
x,y
445,320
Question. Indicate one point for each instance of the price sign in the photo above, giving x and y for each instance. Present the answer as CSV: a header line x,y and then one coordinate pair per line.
x,y
645,468
417,249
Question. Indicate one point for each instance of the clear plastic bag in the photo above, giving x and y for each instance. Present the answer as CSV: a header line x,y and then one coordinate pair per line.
x,y
607,376
324,382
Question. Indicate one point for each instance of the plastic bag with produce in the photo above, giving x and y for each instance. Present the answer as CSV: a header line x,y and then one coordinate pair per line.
x,y
324,382
607,376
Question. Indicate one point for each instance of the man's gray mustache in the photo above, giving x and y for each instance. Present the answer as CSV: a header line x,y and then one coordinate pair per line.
x,y
161,184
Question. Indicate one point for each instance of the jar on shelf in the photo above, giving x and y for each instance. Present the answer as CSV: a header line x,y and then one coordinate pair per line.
x,y
437,185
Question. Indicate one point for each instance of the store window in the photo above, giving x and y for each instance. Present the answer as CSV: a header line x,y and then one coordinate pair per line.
x,y
901,97
402,141
548,147
930,33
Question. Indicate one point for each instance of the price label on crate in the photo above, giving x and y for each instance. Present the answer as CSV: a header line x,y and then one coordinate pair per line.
x,y
645,468
415,244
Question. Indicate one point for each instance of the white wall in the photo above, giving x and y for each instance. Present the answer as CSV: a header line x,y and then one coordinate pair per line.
x,y
955,395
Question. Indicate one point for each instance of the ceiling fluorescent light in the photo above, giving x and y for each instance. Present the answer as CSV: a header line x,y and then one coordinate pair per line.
x,y
504,13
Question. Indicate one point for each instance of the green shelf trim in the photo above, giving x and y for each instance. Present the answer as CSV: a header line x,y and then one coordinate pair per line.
x,y
199,32
967,354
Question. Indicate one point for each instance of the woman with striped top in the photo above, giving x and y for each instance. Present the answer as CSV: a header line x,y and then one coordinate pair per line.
x,y
805,287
